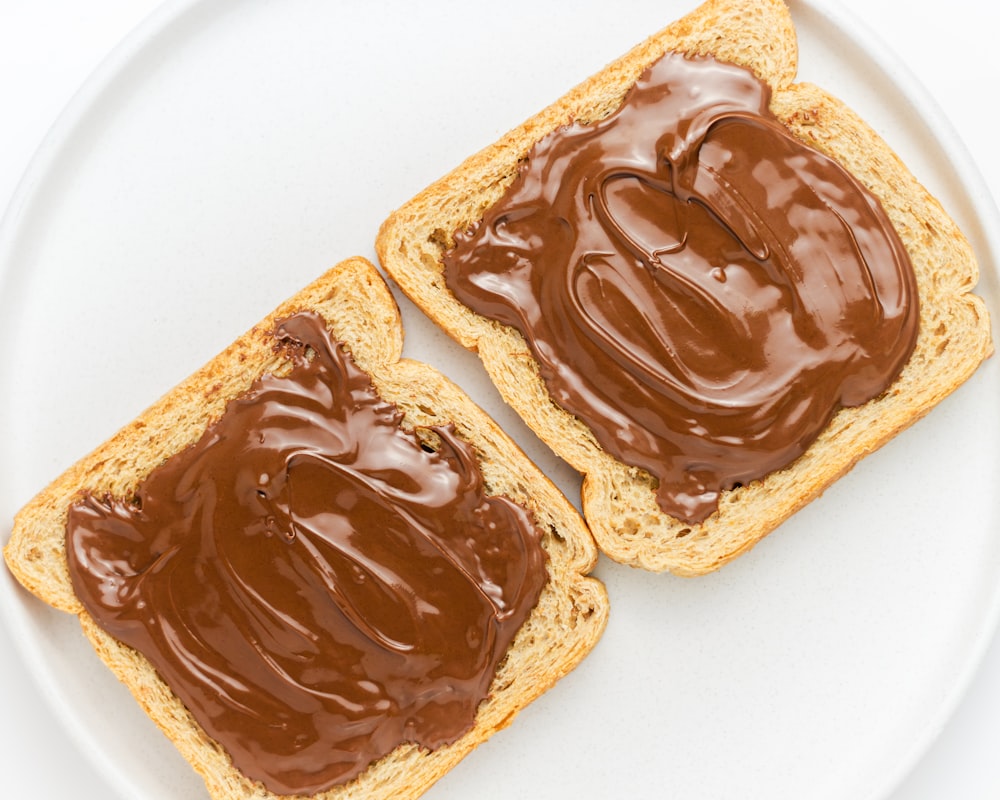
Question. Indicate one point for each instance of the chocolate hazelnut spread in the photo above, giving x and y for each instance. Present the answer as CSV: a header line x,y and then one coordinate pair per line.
x,y
317,584
698,286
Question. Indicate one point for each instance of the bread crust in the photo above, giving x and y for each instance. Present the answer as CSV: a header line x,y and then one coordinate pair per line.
x,y
618,500
360,311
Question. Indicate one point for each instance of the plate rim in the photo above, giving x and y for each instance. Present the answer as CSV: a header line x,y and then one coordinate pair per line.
x,y
976,189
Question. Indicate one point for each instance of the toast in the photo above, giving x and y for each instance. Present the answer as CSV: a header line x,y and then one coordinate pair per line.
x,y
619,499
354,304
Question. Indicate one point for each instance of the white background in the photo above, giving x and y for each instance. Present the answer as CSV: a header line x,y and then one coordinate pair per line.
x,y
47,49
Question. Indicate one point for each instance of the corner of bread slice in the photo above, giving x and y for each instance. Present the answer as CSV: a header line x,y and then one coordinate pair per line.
x,y
36,552
413,239
359,311
411,242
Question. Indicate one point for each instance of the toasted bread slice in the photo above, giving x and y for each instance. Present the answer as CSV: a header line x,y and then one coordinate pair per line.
x,y
619,500
359,310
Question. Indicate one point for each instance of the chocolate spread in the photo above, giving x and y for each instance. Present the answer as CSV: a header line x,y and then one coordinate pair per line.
x,y
317,584
698,286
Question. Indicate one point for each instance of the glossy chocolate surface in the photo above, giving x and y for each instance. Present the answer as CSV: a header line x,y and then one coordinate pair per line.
x,y
698,286
317,584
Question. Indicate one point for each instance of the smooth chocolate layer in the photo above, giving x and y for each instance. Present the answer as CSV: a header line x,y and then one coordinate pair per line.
x,y
315,583
698,286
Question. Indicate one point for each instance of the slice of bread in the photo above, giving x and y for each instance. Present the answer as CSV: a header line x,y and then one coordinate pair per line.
x,y
360,311
619,500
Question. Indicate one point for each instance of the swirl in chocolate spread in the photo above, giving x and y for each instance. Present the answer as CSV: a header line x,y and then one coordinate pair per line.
x,y
699,287
313,582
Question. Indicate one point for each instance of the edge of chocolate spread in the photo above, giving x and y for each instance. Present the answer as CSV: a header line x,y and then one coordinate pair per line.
x,y
315,583
702,289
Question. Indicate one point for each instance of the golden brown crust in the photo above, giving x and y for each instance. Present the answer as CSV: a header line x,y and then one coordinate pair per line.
x,y
618,500
360,311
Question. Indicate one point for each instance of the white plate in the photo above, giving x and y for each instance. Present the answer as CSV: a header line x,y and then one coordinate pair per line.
x,y
228,152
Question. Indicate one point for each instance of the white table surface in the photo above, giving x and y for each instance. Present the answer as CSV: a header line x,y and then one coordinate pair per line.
x,y
47,49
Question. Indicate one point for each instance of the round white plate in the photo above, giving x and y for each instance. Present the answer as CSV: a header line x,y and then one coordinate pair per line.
x,y
230,151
